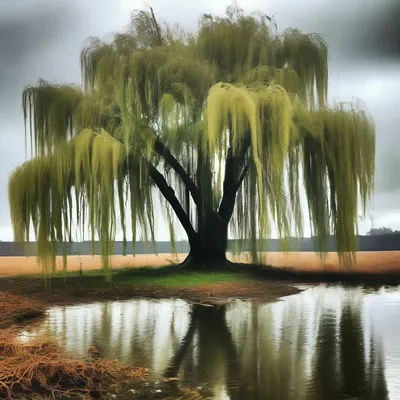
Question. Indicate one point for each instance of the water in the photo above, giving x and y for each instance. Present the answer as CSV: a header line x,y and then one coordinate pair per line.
x,y
324,343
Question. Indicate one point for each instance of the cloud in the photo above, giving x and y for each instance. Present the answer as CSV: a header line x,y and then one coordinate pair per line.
x,y
43,38
356,30
32,28
378,34
25,33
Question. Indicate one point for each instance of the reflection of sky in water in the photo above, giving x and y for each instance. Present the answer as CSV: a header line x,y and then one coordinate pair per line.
x,y
149,333
383,311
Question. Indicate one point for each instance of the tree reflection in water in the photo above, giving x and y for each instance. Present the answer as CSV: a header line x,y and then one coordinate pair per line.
x,y
295,349
341,367
207,353
264,365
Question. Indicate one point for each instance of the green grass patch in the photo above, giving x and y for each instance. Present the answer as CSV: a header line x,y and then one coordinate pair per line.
x,y
168,276
185,279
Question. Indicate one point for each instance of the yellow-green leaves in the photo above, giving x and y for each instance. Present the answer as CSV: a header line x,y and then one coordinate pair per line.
x,y
233,84
49,114
265,113
83,145
307,54
226,104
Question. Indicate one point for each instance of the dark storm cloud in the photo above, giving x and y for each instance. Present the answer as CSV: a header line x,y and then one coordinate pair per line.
x,y
23,34
378,34
354,29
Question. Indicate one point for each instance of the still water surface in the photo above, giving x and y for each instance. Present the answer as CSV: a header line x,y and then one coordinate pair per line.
x,y
324,343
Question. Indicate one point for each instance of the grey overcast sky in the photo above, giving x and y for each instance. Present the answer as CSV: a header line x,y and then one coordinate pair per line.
x,y
43,39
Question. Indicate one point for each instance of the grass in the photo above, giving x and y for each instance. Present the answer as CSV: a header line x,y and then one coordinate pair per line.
x,y
186,280
167,276
173,276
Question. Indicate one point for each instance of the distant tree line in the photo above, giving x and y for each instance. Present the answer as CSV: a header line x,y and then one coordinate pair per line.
x,y
370,242
382,231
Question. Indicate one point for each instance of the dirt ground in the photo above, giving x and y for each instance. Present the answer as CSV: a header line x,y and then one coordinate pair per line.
x,y
367,262
19,303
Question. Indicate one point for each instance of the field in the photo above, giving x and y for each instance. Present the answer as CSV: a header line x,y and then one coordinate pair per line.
x,y
367,262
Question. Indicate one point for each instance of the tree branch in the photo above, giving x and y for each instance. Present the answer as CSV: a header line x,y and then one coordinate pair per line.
x,y
177,167
242,176
169,195
245,146
156,26
231,182
229,197
175,363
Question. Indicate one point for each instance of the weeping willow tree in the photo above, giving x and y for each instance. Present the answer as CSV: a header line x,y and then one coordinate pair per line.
x,y
227,124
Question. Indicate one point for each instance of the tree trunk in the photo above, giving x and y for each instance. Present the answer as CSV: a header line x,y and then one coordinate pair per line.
x,y
209,250
214,338
208,247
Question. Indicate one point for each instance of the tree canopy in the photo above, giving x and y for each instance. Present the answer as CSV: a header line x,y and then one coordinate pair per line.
x,y
224,120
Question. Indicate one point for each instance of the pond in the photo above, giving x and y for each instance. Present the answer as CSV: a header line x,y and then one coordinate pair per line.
x,y
324,343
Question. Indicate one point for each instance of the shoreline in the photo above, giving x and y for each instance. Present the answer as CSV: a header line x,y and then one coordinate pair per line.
x,y
19,309
214,293
246,282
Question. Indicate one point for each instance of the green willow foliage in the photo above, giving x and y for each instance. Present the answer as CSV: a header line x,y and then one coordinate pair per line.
x,y
154,94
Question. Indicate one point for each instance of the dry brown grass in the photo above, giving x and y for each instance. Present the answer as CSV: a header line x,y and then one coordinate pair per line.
x,y
41,369
10,266
367,262
37,370
373,262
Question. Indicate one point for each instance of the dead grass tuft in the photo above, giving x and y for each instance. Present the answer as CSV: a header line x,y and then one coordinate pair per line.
x,y
43,369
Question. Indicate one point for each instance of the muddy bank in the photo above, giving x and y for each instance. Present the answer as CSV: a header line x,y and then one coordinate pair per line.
x,y
216,293
18,309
